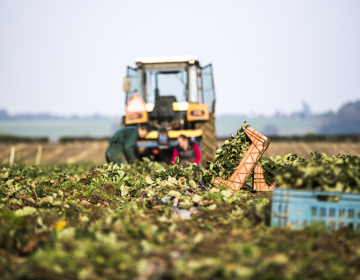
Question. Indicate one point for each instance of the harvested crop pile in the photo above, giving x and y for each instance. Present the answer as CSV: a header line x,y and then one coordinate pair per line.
x,y
337,173
273,167
228,156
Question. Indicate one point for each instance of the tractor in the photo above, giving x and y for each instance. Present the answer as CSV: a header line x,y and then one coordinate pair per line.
x,y
177,96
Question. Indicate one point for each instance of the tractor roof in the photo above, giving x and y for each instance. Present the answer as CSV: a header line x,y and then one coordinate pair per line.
x,y
191,59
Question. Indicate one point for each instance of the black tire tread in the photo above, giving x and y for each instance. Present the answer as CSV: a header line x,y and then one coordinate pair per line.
x,y
208,140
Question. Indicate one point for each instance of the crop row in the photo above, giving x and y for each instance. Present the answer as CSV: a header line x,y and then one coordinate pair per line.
x,y
152,222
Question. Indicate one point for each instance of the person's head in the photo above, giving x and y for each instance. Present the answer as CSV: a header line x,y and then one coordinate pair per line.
x,y
144,129
183,141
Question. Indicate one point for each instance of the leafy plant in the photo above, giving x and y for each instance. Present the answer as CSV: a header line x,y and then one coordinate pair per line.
x,y
228,156
337,173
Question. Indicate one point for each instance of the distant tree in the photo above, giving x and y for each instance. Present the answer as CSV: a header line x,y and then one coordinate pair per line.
x,y
279,114
345,121
306,111
270,130
4,115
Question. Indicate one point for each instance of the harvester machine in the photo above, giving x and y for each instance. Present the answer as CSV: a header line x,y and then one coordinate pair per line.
x,y
250,161
176,95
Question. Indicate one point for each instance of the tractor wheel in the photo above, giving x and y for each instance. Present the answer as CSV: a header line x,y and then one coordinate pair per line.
x,y
208,140
122,123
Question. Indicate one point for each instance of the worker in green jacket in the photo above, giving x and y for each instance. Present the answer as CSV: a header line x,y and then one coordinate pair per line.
x,y
122,144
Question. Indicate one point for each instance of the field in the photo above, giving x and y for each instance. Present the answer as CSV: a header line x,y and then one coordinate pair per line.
x,y
95,151
152,221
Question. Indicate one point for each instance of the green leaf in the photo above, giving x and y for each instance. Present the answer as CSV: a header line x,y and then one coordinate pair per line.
x,y
149,180
226,193
175,194
212,207
47,199
192,184
27,210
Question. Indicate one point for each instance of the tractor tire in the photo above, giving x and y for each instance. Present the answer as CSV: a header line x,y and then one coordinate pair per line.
x,y
122,123
208,140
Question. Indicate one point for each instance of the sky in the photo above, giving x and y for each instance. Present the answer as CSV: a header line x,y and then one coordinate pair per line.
x,y
69,57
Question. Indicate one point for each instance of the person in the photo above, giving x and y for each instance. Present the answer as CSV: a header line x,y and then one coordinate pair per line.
x,y
187,151
122,144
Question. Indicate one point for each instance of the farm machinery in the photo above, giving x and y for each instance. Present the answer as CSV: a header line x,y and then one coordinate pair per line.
x,y
177,96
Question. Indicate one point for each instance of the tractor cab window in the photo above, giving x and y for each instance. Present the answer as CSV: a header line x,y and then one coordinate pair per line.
x,y
166,83
132,73
208,87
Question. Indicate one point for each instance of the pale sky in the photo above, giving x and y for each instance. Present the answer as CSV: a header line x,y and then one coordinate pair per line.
x,y
69,56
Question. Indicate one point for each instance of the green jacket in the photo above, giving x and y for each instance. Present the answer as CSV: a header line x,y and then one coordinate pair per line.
x,y
126,138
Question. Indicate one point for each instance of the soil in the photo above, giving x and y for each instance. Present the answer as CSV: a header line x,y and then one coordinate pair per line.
x,y
96,198
33,242
50,221
109,189
15,207
95,214
330,245
31,219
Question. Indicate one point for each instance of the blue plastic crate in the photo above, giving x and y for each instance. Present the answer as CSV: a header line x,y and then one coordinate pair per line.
x,y
298,209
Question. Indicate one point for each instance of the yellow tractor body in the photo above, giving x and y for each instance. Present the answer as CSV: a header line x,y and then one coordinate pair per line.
x,y
177,96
